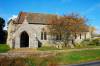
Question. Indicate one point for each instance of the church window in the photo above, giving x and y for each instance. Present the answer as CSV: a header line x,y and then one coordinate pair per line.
x,y
80,36
85,35
75,35
58,37
43,36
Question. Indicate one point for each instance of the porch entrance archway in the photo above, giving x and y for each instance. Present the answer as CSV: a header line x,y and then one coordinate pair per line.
x,y
24,39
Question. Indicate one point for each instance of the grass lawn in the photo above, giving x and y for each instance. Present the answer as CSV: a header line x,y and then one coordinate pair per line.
x,y
4,48
45,48
72,57
89,46
78,56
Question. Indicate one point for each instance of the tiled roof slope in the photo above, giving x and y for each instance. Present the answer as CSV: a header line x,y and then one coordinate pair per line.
x,y
35,18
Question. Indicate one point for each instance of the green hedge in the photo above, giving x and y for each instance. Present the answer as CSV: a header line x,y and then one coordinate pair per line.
x,y
4,48
94,42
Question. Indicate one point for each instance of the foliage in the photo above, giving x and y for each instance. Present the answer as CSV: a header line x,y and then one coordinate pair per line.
x,y
67,26
3,36
2,23
4,48
6,61
80,45
95,42
2,32
88,42
29,61
36,61
85,42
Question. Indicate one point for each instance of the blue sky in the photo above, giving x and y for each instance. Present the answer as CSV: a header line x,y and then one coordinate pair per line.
x,y
87,8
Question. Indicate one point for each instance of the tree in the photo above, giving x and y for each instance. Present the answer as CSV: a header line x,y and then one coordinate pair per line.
x,y
2,24
2,32
67,26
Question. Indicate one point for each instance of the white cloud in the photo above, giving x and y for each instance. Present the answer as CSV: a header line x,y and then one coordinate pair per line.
x,y
12,17
97,30
5,28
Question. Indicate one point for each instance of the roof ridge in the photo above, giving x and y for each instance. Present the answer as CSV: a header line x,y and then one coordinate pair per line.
x,y
39,13
42,18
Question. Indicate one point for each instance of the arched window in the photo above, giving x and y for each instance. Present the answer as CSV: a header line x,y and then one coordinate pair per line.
x,y
80,35
75,36
58,37
43,36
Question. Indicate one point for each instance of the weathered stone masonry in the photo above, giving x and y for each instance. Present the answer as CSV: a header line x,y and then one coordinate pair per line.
x,y
33,24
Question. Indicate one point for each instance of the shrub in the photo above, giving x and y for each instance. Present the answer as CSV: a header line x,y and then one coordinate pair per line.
x,y
29,61
77,45
85,42
95,42
4,48
41,61
6,61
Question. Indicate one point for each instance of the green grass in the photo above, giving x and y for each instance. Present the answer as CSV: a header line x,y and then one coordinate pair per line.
x,y
71,57
47,48
88,46
78,56
4,48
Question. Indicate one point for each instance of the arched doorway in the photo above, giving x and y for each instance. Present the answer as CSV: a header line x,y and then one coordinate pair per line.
x,y
24,39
